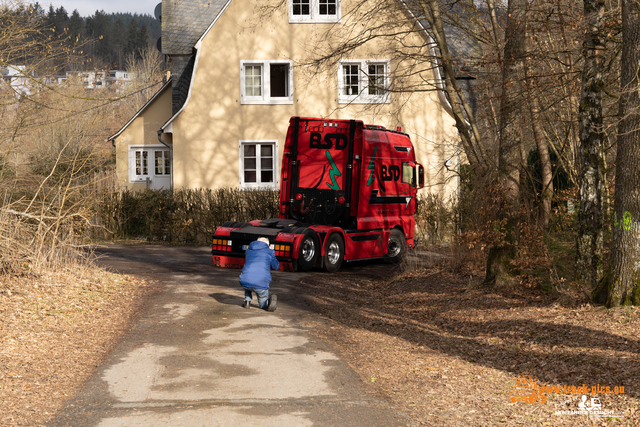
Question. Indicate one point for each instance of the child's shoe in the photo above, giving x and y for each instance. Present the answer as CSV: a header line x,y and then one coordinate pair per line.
x,y
273,302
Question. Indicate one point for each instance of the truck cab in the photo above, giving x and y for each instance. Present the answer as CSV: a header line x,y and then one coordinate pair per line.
x,y
348,192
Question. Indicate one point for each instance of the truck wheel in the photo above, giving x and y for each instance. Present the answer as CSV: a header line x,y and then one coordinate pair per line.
x,y
334,253
397,247
308,250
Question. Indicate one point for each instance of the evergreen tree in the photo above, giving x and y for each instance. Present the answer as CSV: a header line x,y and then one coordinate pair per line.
x,y
62,20
57,19
99,27
143,38
119,43
38,11
76,24
132,38
51,17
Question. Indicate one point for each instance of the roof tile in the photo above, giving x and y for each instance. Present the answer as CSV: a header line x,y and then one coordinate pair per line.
x,y
185,21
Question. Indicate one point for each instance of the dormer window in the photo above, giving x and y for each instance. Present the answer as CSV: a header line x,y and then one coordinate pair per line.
x,y
314,11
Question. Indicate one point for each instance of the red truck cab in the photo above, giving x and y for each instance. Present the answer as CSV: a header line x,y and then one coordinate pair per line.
x,y
347,192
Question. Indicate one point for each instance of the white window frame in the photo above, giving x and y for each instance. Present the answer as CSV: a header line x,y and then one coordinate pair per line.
x,y
265,98
276,170
314,16
151,162
363,97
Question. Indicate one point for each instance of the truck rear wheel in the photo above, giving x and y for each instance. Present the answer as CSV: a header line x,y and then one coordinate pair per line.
x,y
334,253
308,251
397,247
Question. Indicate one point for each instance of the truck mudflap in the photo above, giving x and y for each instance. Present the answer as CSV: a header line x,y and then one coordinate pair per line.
x,y
225,261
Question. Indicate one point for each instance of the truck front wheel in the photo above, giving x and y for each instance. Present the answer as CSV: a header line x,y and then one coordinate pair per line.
x,y
334,253
397,247
308,251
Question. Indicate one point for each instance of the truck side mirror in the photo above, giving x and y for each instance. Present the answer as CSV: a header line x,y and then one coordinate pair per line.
x,y
420,176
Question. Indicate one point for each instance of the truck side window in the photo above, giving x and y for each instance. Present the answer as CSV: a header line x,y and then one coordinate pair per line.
x,y
408,174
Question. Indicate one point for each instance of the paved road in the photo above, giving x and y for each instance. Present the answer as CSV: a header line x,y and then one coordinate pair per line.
x,y
196,358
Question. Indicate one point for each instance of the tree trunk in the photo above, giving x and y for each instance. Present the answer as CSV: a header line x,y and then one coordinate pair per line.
x,y
465,121
509,158
545,161
510,144
621,284
589,262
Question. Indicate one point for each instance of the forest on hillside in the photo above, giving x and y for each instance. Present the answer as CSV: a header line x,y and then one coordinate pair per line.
x,y
106,39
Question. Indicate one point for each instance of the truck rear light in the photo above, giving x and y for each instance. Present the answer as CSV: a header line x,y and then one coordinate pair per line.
x,y
341,200
282,250
221,245
298,196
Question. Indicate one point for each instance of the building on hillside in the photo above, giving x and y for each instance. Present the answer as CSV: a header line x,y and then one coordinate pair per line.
x,y
237,78
119,77
101,79
19,79
89,79
55,80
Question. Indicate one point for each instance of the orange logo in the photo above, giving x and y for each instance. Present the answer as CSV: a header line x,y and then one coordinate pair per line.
x,y
526,390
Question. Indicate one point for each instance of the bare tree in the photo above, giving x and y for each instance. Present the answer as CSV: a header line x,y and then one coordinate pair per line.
x,y
465,120
146,70
511,144
51,146
621,284
589,263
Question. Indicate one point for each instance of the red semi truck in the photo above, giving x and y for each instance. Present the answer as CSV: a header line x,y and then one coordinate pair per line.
x,y
348,192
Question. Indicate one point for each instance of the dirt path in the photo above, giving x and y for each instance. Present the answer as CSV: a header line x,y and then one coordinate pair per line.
x,y
195,357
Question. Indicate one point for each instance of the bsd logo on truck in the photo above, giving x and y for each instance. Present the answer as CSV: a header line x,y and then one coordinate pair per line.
x,y
331,140
390,173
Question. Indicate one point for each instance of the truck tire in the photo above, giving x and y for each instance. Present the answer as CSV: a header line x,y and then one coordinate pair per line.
x,y
334,253
308,251
397,247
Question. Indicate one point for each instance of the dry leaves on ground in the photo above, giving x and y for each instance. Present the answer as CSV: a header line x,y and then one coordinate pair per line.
x,y
450,355
55,329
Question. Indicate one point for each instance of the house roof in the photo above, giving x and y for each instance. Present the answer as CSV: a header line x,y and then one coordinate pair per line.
x,y
465,50
135,116
185,84
184,23
464,47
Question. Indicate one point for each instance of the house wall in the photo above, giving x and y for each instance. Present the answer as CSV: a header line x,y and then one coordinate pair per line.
x,y
208,131
142,131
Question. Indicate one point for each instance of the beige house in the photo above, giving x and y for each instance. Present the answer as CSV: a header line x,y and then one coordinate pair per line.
x,y
142,160
242,68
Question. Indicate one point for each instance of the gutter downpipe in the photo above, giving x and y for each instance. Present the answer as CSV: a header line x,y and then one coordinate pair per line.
x,y
440,84
170,147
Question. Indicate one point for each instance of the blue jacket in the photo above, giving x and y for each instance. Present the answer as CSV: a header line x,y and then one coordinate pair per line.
x,y
258,258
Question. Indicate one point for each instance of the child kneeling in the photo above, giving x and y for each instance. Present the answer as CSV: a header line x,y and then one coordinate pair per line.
x,y
256,274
